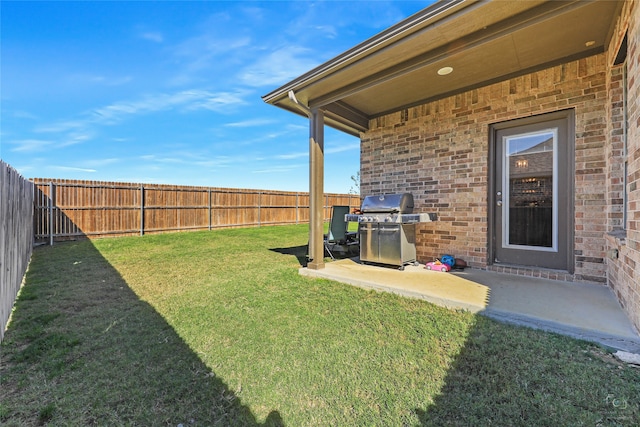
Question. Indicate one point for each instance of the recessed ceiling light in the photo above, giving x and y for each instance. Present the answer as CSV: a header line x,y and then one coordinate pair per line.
x,y
445,70
590,43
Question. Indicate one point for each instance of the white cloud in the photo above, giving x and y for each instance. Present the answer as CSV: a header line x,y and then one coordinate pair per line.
x,y
24,115
101,80
188,100
73,169
202,49
76,138
279,66
208,53
329,31
94,163
292,155
249,123
343,148
36,145
218,161
30,145
254,14
153,36
277,169
62,126
84,81
81,130
297,128
219,102
114,81
332,150
189,158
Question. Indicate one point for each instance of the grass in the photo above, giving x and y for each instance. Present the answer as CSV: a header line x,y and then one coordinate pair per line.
x,y
218,328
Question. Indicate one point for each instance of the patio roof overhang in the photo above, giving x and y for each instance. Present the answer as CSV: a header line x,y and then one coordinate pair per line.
x,y
481,42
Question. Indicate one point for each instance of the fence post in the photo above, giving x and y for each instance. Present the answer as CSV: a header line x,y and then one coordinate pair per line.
x,y
297,208
326,205
52,201
259,210
141,209
210,202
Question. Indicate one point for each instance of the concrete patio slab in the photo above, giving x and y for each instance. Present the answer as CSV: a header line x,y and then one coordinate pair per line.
x,y
581,310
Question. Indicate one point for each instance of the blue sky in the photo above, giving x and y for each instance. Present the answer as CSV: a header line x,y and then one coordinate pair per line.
x,y
170,92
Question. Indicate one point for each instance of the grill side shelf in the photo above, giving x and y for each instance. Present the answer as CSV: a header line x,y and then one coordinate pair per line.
x,y
402,218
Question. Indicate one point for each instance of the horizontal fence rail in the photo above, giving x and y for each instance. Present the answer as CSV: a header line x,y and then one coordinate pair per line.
x,y
16,237
67,209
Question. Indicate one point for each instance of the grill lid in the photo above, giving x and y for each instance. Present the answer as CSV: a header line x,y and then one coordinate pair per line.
x,y
388,203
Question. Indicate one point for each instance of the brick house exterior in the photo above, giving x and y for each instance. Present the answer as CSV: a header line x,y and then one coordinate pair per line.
x,y
441,151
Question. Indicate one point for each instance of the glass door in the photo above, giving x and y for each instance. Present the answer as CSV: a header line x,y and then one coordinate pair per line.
x,y
532,193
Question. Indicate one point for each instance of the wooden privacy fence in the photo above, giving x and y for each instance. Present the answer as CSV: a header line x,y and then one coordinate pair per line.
x,y
16,237
66,209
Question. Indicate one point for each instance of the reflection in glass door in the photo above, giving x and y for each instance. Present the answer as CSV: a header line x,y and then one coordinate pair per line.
x,y
529,202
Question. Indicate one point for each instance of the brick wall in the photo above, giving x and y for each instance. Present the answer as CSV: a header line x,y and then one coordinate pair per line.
x,y
439,152
632,253
623,272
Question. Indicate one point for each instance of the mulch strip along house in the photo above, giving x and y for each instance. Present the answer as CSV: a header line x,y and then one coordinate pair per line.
x,y
517,122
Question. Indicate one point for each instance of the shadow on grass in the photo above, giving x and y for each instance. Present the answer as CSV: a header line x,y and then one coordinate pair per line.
x,y
83,349
518,376
300,252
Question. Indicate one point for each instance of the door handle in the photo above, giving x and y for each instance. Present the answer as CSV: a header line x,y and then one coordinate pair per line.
x,y
499,203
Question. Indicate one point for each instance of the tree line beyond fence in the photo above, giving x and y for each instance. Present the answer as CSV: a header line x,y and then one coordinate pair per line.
x,y
67,209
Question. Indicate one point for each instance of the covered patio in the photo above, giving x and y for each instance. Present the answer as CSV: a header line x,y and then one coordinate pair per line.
x,y
448,48
437,100
580,310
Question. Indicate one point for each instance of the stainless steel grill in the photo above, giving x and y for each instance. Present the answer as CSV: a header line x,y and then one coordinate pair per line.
x,y
387,229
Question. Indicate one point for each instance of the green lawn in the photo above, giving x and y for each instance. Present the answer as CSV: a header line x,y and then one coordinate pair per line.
x,y
218,328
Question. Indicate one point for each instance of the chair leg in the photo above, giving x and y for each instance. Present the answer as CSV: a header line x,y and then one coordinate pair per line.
x,y
326,247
